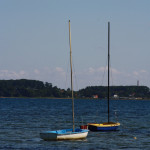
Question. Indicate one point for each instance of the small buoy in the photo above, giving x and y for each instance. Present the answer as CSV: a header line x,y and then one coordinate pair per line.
x,y
135,138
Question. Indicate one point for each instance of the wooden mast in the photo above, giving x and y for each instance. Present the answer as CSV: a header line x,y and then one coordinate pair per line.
x,y
108,63
71,77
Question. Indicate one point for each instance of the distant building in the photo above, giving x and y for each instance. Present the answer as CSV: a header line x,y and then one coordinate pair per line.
x,y
95,96
138,98
116,96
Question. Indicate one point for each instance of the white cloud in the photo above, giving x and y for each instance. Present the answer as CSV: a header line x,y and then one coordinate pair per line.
x,y
6,74
22,73
59,70
140,73
101,69
115,71
88,77
143,71
91,70
36,71
135,73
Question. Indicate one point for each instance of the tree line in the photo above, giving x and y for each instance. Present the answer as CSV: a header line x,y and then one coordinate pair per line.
x,y
120,91
29,88
35,88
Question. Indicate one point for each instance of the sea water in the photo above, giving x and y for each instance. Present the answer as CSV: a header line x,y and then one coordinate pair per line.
x,y
21,121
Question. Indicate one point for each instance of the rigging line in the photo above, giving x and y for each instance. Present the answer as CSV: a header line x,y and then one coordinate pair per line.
x,y
67,74
75,77
104,73
111,73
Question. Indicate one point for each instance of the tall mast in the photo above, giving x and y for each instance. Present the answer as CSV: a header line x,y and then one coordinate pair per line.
x,y
108,63
71,77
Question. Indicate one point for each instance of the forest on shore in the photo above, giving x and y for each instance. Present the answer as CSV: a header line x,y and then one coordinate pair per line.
x,y
35,88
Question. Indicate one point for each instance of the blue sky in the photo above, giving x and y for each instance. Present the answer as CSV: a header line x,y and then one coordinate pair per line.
x,y
34,41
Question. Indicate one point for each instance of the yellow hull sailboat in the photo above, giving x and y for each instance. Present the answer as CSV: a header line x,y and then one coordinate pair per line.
x,y
107,126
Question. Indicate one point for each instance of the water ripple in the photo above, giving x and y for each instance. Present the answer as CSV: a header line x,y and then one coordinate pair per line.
x,y
23,119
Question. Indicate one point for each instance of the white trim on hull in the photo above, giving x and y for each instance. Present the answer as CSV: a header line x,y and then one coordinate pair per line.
x,y
55,136
65,134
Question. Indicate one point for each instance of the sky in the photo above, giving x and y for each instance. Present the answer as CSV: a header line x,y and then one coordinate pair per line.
x,y
34,41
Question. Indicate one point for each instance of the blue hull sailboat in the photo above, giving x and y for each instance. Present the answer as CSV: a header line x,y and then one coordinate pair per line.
x,y
66,134
111,126
107,126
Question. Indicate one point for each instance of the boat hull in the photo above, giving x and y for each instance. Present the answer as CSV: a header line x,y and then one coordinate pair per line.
x,y
103,127
66,134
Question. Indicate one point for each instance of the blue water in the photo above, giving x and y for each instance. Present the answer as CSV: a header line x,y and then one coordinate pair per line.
x,y
21,121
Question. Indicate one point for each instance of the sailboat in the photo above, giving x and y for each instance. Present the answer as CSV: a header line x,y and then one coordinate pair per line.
x,y
107,126
66,134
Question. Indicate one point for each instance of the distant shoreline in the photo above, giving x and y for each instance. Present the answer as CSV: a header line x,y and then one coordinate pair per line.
x,y
74,98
